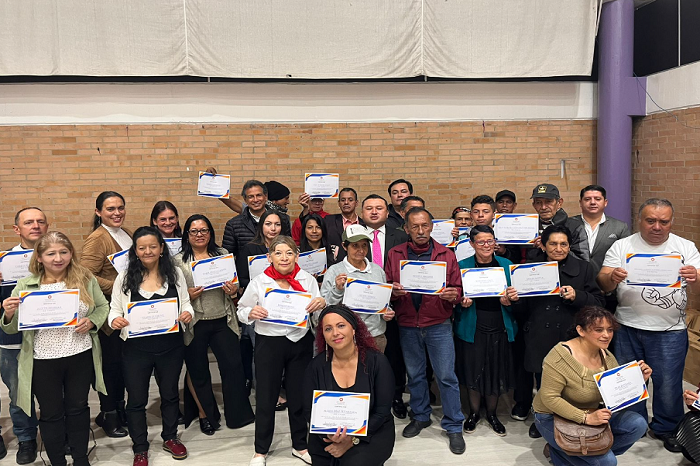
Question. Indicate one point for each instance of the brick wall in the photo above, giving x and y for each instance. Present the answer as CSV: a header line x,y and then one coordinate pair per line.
x,y
62,168
666,163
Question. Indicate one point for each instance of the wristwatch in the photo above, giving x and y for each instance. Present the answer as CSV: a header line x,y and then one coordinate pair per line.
x,y
356,440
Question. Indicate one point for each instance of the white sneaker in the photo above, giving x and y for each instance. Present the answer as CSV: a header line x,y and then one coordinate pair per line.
x,y
305,457
258,461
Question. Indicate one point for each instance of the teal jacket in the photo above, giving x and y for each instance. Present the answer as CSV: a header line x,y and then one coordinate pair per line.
x,y
97,313
465,318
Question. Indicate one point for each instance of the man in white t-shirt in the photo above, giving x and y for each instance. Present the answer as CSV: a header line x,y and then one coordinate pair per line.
x,y
653,319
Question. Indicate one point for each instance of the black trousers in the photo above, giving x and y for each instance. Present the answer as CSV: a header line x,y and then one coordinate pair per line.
x,y
138,368
523,379
395,356
275,356
61,387
216,334
112,347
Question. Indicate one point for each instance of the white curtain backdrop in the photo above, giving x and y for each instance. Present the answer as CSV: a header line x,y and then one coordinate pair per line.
x,y
310,39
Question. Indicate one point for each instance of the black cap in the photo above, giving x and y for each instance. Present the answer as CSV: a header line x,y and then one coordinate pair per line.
x,y
546,190
276,191
505,193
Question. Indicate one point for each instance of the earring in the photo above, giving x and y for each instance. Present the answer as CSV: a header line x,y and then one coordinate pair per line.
x,y
161,254
326,352
353,339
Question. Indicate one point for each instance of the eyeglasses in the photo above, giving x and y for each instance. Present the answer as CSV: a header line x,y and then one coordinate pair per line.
x,y
488,242
203,232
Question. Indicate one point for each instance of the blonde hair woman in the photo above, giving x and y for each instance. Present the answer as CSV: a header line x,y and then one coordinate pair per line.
x,y
66,360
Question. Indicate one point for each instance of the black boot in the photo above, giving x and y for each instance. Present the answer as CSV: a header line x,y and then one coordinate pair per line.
x,y
121,411
110,424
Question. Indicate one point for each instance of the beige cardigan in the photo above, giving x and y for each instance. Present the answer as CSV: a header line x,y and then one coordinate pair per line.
x,y
97,247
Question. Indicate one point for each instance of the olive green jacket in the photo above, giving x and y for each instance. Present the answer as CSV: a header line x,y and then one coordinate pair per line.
x,y
97,313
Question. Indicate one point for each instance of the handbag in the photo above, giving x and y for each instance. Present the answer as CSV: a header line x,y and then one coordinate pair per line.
x,y
580,439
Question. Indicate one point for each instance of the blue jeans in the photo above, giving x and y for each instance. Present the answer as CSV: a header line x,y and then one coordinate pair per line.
x,y
23,426
437,339
627,427
665,353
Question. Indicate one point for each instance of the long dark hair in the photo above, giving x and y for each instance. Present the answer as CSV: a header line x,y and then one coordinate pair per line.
x,y
162,206
363,339
212,247
304,245
99,202
259,238
134,274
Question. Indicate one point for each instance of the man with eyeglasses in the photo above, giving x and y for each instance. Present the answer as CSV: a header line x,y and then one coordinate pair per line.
x,y
240,230
30,225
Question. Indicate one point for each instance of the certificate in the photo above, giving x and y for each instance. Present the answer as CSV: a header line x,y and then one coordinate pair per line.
x,y
331,410
152,317
313,262
212,272
257,265
659,270
48,309
286,307
464,249
174,245
516,228
423,277
216,186
622,386
536,279
14,265
442,231
484,282
322,185
120,260
367,297
463,234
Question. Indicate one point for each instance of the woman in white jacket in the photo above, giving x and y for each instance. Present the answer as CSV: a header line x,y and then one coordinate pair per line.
x,y
151,276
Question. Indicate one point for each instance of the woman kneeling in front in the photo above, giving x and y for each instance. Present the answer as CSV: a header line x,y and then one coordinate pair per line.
x,y
569,391
349,361
151,276
280,347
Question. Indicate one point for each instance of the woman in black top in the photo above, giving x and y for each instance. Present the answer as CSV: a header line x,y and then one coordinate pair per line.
x,y
314,236
269,228
349,361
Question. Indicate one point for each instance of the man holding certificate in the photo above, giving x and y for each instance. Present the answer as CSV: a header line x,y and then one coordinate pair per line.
x,y
572,373
30,225
58,362
651,282
356,272
424,317
280,301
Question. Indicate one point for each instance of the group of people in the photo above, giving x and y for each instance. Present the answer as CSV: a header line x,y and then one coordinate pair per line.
x,y
482,347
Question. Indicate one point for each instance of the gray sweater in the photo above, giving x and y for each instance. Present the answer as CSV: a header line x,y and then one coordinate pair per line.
x,y
332,295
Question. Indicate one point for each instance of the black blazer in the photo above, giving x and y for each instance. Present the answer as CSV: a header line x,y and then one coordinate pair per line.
x,y
392,238
334,234
250,249
549,318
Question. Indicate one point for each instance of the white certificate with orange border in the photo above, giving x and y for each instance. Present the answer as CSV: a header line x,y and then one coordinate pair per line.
x,y
48,309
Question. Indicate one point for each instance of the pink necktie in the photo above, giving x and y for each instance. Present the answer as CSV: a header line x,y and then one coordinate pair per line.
x,y
377,250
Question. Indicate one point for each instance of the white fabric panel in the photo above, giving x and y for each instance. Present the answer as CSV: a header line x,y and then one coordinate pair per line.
x,y
93,38
514,38
304,38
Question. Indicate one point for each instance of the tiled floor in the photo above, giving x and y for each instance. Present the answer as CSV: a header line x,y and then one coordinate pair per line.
x,y
235,447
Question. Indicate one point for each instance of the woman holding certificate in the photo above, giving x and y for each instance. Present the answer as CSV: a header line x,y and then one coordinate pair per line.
x,y
108,238
549,317
570,391
269,227
356,266
149,300
214,326
314,237
279,301
348,361
58,365
484,328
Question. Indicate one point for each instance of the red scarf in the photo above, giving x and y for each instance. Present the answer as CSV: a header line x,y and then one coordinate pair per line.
x,y
293,282
420,249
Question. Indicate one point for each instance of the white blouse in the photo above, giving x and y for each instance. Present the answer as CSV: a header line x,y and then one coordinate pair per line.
x,y
54,343
253,296
120,236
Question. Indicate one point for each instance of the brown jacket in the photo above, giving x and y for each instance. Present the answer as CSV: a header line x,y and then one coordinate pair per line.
x,y
97,247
